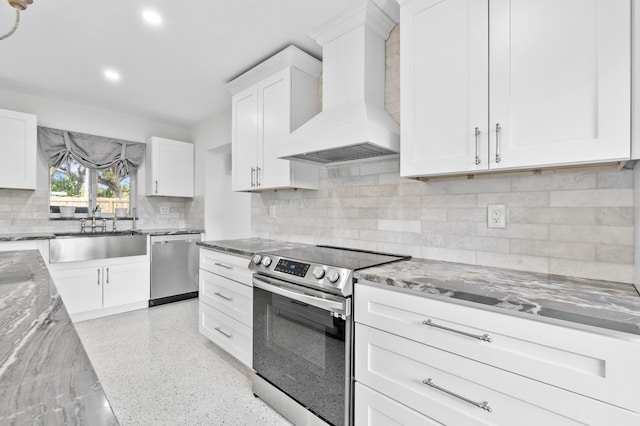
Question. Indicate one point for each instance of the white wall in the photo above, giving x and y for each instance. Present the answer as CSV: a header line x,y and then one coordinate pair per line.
x,y
66,116
28,211
227,214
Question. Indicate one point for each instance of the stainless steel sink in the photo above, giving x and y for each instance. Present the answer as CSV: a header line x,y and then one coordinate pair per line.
x,y
73,247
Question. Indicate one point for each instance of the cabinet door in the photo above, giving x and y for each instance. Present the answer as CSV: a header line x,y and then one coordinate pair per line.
x,y
172,168
244,136
444,86
18,142
127,283
560,81
81,289
274,95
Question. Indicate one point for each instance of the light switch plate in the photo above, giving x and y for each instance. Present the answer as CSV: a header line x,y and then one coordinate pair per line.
x,y
496,216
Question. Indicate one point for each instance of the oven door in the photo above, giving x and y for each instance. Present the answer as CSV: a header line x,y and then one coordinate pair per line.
x,y
301,345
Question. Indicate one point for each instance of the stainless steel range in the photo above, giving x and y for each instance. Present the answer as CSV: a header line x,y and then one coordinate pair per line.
x,y
302,330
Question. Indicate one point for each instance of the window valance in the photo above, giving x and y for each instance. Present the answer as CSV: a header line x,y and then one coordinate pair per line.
x,y
95,152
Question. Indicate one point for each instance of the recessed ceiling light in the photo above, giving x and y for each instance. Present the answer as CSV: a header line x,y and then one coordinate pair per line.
x,y
112,75
152,17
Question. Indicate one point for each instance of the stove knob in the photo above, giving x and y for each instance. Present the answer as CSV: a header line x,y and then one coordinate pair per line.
x,y
256,259
318,272
266,261
333,275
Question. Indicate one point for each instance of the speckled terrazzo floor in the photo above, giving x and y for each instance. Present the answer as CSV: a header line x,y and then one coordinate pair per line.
x,y
157,369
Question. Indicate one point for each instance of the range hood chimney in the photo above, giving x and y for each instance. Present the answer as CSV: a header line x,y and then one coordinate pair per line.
x,y
353,124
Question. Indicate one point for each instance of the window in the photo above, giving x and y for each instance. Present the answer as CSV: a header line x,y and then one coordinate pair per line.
x,y
73,184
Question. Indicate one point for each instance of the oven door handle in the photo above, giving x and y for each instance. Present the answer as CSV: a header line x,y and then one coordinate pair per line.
x,y
333,306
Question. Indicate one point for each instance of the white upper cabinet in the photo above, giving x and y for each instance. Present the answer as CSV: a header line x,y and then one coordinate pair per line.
x,y
499,84
169,168
269,102
18,143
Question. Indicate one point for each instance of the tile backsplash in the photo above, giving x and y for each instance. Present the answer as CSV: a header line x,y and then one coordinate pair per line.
x,y
577,222
24,211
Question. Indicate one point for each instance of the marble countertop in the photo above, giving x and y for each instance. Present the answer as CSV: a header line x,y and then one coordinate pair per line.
x,y
605,304
45,374
249,246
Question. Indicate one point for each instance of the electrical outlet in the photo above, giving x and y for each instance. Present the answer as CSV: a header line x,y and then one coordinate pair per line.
x,y
496,216
164,210
272,211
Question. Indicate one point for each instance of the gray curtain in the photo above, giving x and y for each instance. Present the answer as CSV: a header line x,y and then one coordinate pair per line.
x,y
96,152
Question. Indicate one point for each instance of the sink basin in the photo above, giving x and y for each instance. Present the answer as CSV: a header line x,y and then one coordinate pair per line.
x,y
73,247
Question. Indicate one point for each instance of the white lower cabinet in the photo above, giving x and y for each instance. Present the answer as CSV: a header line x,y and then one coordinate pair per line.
x,y
231,335
523,372
226,303
97,288
374,409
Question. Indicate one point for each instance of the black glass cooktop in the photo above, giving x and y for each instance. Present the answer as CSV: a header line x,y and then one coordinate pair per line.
x,y
338,257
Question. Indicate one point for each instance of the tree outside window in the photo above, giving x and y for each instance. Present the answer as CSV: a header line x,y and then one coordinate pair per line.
x,y
73,184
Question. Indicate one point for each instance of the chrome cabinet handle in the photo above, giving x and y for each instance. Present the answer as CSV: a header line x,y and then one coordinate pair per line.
x,y
229,299
107,275
258,176
477,134
227,335
484,404
98,276
223,265
156,186
498,130
253,171
484,337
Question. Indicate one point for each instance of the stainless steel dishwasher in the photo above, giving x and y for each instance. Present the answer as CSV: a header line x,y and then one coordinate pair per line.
x,y
174,268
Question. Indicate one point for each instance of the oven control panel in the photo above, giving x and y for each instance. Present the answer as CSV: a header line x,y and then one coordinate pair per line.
x,y
292,267
322,277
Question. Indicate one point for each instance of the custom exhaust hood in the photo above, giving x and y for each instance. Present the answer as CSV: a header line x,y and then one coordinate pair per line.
x,y
353,124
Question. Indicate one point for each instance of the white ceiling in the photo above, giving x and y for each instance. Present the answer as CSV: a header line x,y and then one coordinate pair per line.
x,y
174,73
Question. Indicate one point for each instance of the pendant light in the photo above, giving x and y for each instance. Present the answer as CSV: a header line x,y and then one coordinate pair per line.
x,y
18,5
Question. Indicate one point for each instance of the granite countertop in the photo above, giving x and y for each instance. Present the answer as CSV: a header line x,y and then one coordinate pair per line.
x,y
174,231
45,374
605,304
53,235
27,236
249,246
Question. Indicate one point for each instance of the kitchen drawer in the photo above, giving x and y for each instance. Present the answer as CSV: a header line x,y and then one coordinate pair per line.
x,y
228,296
398,367
371,408
231,335
233,267
600,366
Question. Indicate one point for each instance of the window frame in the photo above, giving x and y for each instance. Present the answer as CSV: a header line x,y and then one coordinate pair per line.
x,y
92,192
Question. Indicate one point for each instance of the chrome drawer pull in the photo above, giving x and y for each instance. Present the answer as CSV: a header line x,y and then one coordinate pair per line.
x,y
498,130
229,299
477,135
222,265
484,404
484,337
227,335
